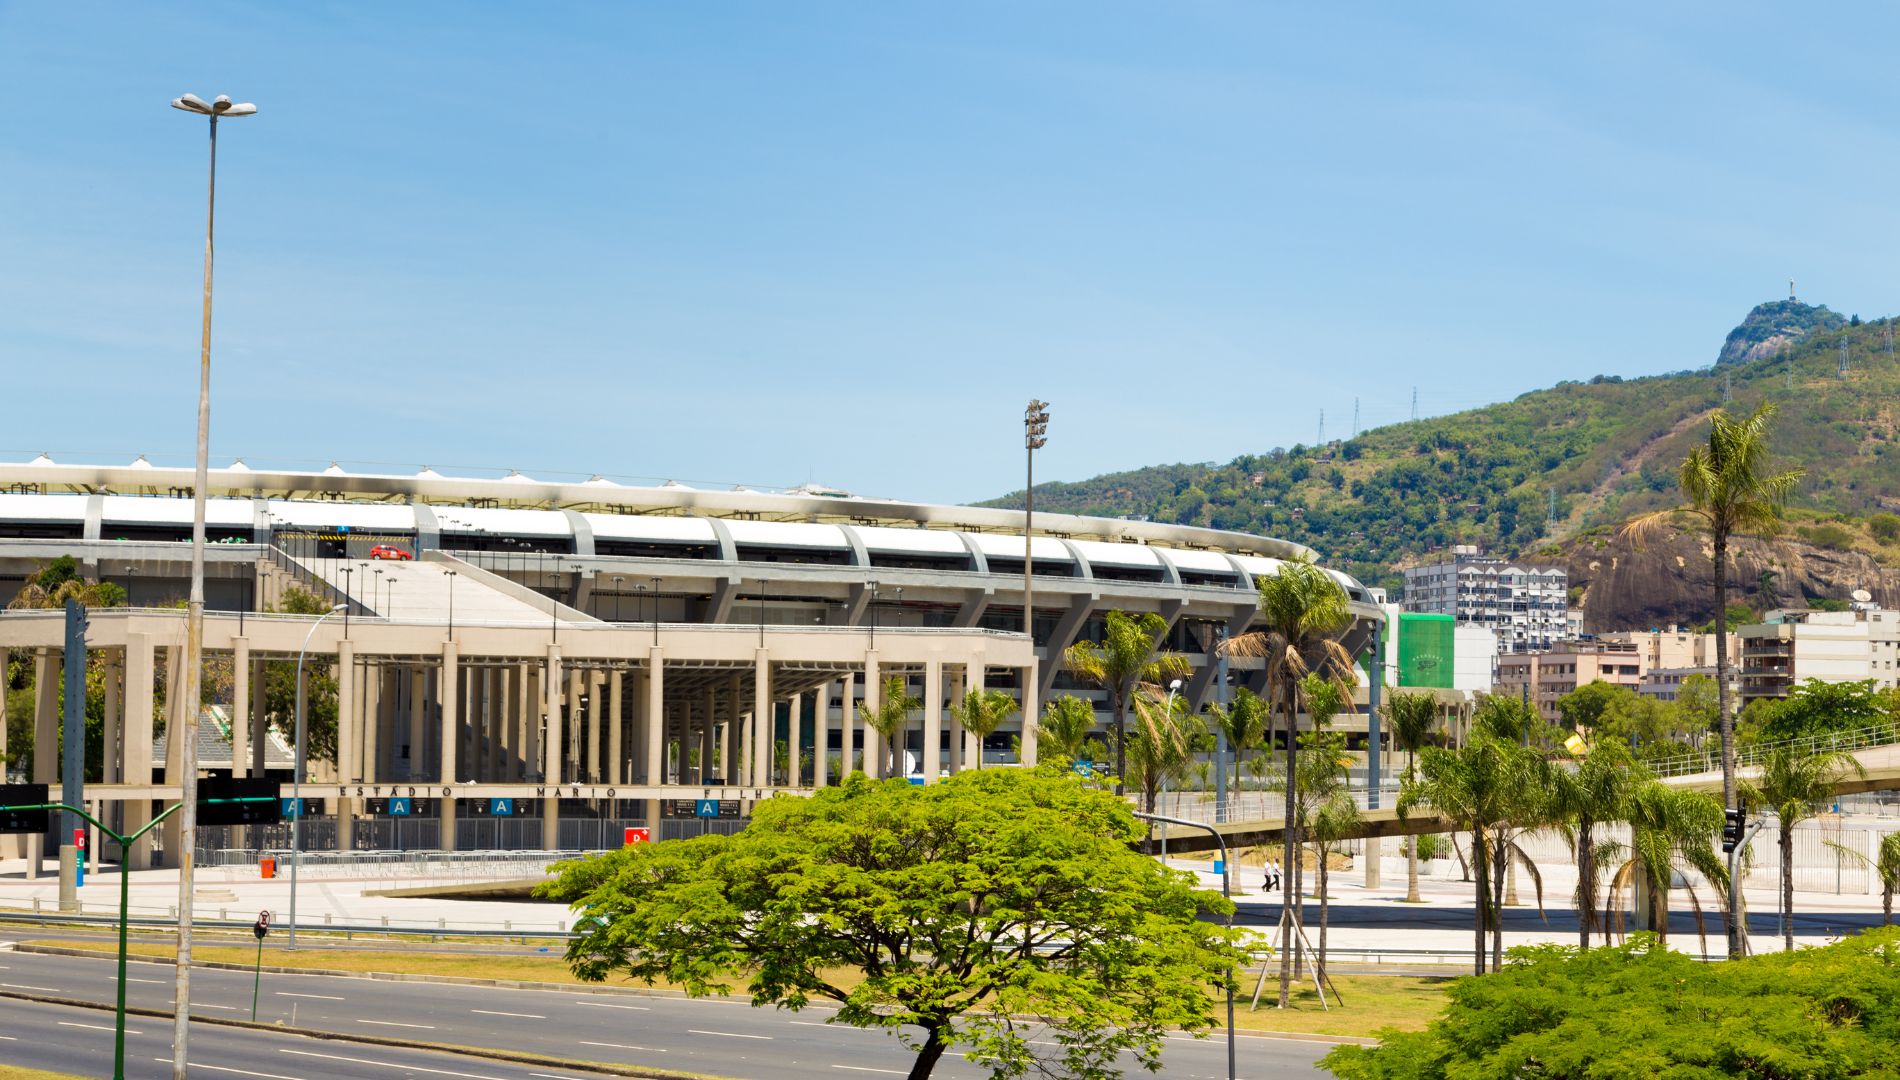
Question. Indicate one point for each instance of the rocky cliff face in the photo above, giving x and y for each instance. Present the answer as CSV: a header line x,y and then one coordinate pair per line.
x,y
1670,577
1774,326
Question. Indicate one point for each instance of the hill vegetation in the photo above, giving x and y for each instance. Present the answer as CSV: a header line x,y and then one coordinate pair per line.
x,y
1557,464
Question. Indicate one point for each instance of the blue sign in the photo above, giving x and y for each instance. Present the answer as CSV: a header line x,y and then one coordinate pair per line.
x,y
292,809
398,808
706,807
501,808
1085,767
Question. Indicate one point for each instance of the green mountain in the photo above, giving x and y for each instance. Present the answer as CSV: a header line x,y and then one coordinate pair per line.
x,y
1523,476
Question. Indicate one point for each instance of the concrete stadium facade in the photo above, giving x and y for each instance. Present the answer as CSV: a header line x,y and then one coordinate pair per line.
x,y
591,655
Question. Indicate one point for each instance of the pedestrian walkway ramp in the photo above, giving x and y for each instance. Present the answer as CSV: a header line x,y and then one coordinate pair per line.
x,y
437,588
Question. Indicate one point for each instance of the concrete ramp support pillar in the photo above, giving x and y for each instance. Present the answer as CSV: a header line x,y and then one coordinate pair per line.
x,y
930,761
873,758
551,746
820,734
655,732
762,718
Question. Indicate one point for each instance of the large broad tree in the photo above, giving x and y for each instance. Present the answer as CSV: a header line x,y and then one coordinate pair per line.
x,y
1002,911
1303,613
1796,782
1410,717
1128,657
1731,487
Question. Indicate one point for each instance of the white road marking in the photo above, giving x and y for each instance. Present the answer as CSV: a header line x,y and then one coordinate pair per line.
x,y
623,1046
555,1076
207,1005
861,1068
388,1065
809,1023
41,989
319,997
8,1038
240,1072
96,1027
727,1034
154,982
524,1016
604,1005
392,1023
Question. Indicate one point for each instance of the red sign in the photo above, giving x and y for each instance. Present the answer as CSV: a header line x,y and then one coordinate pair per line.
x,y
639,836
79,839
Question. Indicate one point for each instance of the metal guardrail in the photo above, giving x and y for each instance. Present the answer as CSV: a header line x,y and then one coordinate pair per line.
x,y
1885,733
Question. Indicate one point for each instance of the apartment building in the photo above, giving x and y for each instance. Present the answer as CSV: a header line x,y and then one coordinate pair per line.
x,y
1524,604
1552,674
1793,646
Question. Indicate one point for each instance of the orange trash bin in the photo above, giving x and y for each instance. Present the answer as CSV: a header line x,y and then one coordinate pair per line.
x,y
267,867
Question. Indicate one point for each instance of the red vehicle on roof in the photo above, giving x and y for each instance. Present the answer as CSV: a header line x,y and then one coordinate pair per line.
x,y
388,551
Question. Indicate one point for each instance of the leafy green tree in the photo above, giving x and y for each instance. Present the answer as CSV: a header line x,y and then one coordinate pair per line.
x,y
1410,717
975,910
1065,726
59,580
1128,656
981,712
1814,708
1642,1010
1887,865
1796,782
1731,487
1670,828
1244,722
1303,612
890,718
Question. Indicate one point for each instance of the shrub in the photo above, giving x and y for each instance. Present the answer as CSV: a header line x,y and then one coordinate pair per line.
x,y
1886,527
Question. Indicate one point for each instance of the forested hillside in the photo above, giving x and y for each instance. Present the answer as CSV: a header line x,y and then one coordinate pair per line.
x,y
1593,451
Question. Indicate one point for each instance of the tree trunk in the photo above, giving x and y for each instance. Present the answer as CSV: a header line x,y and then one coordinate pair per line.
x,y
1586,883
1497,908
1886,907
928,1054
1324,913
1483,895
1411,869
1121,737
1290,849
1787,888
1725,723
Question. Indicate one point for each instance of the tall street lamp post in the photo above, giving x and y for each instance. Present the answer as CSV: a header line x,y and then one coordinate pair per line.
x,y
1224,891
195,604
297,770
451,577
1035,437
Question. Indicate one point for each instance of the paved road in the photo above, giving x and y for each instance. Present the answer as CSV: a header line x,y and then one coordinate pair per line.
x,y
1558,919
73,1040
718,1037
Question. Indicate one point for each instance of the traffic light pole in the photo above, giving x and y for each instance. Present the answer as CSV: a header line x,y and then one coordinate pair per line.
x,y
125,902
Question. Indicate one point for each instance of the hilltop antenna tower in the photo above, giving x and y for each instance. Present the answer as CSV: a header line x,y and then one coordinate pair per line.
x,y
1355,417
1791,298
1550,513
1843,358
1728,380
1322,428
1414,402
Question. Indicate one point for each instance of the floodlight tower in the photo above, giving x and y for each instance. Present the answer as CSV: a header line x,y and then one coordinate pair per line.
x,y
1035,437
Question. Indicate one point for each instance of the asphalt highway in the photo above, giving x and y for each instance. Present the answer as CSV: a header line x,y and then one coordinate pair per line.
x,y
721,1038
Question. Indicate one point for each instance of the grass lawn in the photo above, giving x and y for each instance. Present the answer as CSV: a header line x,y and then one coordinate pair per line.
x,y
14,1072
1371,1001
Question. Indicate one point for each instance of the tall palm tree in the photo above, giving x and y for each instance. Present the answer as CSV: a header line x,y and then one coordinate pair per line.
x,y
1244,722
1065,726
981,712
1303,612
1128,656
1669,829
891,716
1796,783
1731,487
1596,792
1887,865
1333,815
1162,747
1410,717
1473,788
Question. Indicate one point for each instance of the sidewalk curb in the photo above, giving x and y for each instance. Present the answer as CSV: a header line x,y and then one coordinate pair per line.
x,y
640,1072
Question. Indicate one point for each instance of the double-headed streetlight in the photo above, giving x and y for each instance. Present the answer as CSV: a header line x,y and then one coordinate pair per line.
x,y
195,604
296,772
1035,437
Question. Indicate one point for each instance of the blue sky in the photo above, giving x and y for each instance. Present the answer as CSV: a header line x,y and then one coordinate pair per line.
x,y
845,242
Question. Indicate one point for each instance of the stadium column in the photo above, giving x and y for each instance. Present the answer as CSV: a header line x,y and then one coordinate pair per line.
x,y
111,760
655,732
260,721
976,683
958,737
794,730
372,719
349,723
551,746
616,702
579,769
1029,705
140,662
448,690
930,761
734,748
708,759
873,761
45,734
762,718
526,698
820,733
847,723
418,719
240,701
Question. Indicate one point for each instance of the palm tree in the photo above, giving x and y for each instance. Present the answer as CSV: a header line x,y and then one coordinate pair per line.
x,y
1887,865
1477,788
1129,655
1162,747
1244,722
1596,793
891,716
1729,485
982,712
1302,613
1670,828
1065,726
1796,782
1410,717
1329,812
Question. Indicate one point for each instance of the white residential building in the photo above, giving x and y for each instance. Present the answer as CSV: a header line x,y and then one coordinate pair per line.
x,y
1832,646
1524,604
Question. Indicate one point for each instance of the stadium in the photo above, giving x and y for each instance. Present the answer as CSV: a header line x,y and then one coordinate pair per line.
x,y
541,664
